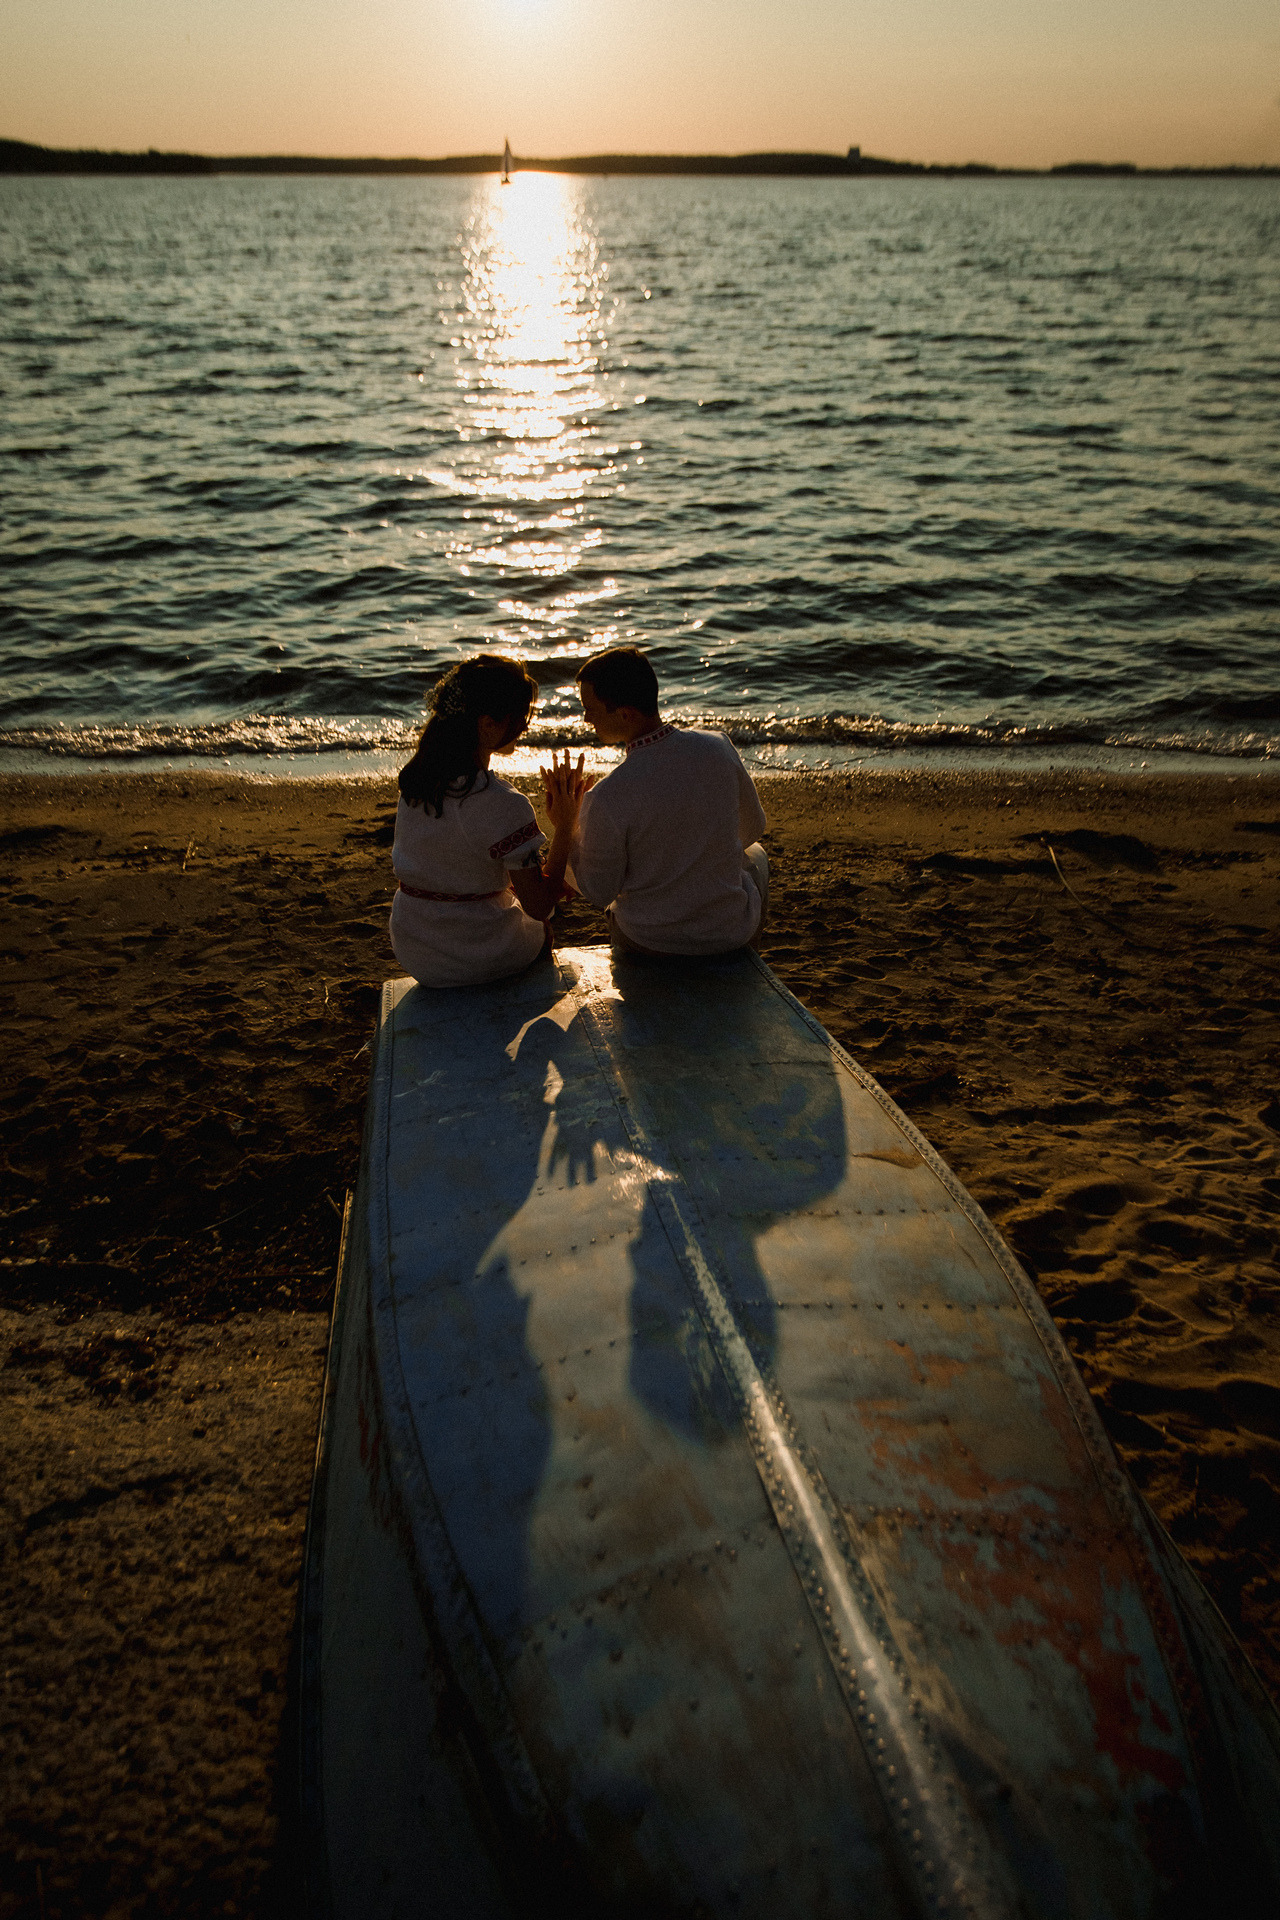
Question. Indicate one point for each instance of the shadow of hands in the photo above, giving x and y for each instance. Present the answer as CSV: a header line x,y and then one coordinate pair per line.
x,y
573,1144
579,1122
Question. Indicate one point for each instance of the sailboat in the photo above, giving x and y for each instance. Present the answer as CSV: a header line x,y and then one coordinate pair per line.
x,y
506,163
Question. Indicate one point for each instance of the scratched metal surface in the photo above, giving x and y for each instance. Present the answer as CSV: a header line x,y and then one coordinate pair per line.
x,y
761,1526
386,1789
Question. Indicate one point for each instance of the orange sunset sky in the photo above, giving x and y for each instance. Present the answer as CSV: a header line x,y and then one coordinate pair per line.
x,y
1159,82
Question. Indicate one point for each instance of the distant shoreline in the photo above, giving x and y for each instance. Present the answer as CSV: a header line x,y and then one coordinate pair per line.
x,y
20,157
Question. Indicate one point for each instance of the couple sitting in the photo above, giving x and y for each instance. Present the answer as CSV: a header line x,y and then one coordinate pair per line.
x,y
667,842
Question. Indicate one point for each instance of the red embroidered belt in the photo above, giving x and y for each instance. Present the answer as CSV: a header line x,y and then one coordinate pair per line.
x,y
419,893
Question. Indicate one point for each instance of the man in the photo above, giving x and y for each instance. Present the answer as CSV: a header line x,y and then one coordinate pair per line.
x,y
669,840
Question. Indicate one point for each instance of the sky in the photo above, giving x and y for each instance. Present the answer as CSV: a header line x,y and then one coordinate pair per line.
x,y
1156,82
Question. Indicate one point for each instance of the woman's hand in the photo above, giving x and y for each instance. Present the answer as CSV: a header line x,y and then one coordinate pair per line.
x,y
563,787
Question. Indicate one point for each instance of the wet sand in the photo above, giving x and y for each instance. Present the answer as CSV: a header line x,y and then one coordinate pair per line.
x,y
1071,983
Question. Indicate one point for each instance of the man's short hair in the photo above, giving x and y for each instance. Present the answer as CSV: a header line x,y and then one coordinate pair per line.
x,y
622,677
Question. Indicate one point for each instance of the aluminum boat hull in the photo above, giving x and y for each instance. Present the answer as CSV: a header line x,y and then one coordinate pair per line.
x,y
708,1518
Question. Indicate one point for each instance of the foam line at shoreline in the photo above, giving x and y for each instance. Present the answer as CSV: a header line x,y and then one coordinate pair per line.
x,y
763,762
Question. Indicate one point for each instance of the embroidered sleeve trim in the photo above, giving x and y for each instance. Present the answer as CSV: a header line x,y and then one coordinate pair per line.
x,y
500,848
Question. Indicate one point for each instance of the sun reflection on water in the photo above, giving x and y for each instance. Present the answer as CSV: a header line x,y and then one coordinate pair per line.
x,y
527,324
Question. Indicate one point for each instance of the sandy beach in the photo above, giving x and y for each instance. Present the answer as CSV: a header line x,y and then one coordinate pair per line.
x,y
1071,983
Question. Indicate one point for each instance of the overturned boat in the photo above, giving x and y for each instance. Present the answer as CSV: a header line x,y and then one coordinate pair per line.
x,y
708,1518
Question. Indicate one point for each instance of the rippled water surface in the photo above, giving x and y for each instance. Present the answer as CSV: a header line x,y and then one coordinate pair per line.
x,y
862,462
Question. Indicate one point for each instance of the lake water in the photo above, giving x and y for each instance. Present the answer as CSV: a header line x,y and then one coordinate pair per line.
x,y
868,465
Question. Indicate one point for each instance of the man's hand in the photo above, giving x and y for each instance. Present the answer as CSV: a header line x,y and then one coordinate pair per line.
x,y
563,788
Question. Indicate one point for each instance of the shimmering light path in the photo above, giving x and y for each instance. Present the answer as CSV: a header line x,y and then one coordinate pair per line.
x,y
532,446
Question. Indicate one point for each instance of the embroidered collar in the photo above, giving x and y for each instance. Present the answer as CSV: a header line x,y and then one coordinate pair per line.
x,y
648,739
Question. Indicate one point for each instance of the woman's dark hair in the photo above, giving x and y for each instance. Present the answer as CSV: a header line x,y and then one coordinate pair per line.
x,y
622,677
447,751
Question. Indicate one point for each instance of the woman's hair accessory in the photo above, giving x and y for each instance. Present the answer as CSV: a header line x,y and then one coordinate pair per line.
x,y
449,700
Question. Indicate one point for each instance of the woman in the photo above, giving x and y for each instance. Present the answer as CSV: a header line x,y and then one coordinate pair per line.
x,y
476,889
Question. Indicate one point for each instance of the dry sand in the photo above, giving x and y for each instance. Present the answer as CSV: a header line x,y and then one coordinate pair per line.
x,y
189,971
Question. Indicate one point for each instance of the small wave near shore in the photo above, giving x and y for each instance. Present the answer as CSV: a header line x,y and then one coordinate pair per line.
x,y
832,741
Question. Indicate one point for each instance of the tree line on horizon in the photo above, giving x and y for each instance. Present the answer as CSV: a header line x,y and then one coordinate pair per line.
x,y
22,157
